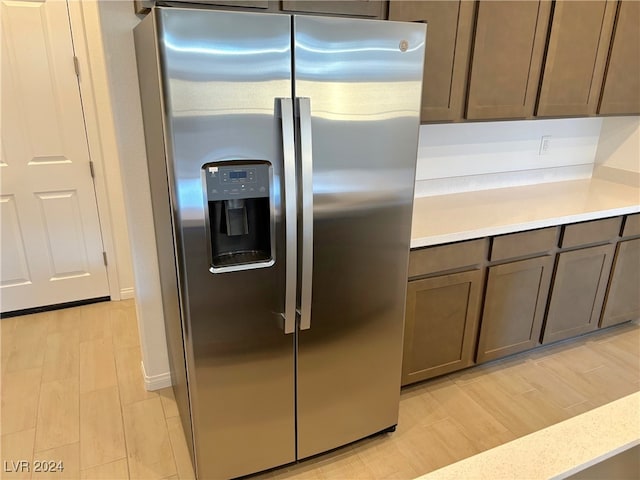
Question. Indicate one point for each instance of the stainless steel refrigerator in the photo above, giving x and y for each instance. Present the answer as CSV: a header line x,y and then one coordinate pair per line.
x,y
281,155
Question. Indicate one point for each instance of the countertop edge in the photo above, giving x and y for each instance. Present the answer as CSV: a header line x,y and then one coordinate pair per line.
x,y
595,436
469,215
520,227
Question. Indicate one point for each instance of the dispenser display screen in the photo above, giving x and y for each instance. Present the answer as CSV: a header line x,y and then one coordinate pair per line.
x,y
237,179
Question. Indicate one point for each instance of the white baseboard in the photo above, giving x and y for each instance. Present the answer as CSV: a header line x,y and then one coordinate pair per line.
x,y
155,382
126,293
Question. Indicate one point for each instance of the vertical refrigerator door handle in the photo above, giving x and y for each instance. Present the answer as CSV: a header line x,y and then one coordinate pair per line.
x,y
289,157
306,178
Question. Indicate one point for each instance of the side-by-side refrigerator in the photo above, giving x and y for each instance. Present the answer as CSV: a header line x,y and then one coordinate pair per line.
x,y
281,154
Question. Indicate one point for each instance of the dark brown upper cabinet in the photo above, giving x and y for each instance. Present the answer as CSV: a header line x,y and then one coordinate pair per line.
x,y
349,8
352,8
507,58
621,92
576,57
449,29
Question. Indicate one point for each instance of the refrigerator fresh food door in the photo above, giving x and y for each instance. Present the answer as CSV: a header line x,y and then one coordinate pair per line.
x,y
224,75
360,82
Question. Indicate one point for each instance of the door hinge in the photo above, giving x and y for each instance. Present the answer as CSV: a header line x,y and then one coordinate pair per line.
x,y
76,66
91,169
104,258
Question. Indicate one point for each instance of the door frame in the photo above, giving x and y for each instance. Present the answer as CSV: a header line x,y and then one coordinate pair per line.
x,y
100,130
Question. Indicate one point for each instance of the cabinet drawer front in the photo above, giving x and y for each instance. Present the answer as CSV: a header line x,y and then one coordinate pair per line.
x,y
446,257
632,225
523,243
596,231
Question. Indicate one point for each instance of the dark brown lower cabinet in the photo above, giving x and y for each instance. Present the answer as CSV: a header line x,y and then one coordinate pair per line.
x,y
514,307
623,299
441,325
578,292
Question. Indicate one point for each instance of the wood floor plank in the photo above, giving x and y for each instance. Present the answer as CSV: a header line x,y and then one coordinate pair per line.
x,y
350,466
95,323
179,447
129,376
20,394
168,402
66,319
385,458
27,343
550,384
545,407
58,414
613,383
148,446
97,365
578,381
485,429
124,325
506,408
107,471
579,358
420,409
580,408
61,356
17,447
101,428
61,463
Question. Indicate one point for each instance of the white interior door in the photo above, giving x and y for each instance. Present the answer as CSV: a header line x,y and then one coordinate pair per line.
x,y
51,244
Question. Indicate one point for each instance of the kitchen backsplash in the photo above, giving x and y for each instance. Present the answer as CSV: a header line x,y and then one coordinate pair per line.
x,y
476,156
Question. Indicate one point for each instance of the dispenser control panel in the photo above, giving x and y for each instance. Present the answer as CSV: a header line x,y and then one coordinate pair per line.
x,y
237,179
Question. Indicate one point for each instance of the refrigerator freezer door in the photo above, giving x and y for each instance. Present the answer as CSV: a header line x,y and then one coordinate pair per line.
x,y
223,75
364,80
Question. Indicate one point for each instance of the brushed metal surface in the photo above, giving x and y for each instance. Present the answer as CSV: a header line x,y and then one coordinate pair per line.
x,y
223,75
365,100
306,199
290,199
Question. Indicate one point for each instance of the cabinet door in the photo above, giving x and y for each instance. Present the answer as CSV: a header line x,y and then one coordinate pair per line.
x,y
352,8
143,6
621,92
623,299
514,307
507,56
578,292
449,27
576,56
440,325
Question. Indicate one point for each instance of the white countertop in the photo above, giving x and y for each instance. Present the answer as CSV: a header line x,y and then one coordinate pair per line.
x,y
464,216
556,451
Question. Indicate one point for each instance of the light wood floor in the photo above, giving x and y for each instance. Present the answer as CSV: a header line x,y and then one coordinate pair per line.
x,y
72,390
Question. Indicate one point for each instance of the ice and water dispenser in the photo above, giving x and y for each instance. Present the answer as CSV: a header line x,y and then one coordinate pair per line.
x,y
240,219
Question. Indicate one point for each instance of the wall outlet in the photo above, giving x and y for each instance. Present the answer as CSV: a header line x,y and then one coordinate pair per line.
x,y
545,145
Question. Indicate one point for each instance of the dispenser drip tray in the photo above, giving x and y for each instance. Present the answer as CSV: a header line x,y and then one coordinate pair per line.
x,y
240,258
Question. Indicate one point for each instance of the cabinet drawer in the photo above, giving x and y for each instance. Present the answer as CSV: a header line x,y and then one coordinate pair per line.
x,y
446,257
632,226
586,233
523,243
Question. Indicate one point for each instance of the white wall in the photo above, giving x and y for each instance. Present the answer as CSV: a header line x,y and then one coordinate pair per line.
x,y
618,155
117,20
481,155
